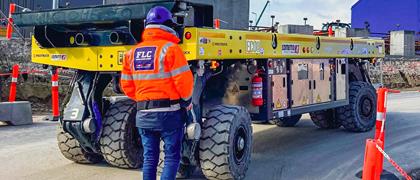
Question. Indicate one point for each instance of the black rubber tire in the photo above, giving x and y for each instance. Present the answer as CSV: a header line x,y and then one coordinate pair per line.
x,y
325,119
355,118
287,121
224,129
120,141
71,149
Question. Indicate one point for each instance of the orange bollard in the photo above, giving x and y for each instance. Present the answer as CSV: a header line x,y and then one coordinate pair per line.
x,y
374,159
55,95
381,113
380,124
216,23
15,75
371,158
9,30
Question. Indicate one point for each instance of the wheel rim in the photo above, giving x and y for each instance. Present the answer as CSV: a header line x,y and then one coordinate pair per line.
x,y
366,109
240,144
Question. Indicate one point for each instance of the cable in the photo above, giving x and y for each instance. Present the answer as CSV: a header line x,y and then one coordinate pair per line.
x,y
221,70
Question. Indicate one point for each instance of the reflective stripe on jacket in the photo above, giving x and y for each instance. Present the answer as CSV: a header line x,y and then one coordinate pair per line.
x,y
157,68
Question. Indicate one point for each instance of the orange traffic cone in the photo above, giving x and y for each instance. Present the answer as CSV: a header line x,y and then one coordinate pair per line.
x,y
372,163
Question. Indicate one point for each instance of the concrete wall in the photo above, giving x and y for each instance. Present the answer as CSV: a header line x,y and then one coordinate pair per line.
x,y
353,32
402,43
295,29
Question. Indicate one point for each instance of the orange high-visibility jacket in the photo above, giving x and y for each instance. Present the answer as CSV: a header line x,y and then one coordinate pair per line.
x,y
156,68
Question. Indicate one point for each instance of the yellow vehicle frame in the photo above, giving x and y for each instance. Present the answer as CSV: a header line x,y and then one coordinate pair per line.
x,y
214,44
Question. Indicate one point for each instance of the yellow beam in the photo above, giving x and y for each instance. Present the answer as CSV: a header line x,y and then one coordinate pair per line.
x,y
211,44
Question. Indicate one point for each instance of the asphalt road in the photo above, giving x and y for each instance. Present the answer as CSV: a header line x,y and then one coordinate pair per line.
x,y
302,152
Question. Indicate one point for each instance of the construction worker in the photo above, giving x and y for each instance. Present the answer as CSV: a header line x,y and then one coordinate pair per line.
x,y
157,76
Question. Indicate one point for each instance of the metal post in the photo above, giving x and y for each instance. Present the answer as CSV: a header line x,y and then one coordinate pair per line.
x,y
262,13
272,20
55,4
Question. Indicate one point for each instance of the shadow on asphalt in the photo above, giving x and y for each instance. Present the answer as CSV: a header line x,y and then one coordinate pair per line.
x,y
305,133
102,165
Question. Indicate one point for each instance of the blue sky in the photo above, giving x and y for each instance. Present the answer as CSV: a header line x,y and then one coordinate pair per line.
x,y
293,11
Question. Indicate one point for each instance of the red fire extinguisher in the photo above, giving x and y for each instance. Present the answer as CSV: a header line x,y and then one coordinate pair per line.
x,y
257,90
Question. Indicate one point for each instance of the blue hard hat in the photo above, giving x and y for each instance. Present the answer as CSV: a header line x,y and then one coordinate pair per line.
x,y
159,15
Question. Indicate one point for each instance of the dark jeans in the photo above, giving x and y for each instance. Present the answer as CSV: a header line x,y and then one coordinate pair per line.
x,y
172,147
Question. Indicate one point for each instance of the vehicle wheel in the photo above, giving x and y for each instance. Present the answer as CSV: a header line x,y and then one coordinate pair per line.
x,y
287,121
120,142
71,149
360,114
325,119
226,143
185,171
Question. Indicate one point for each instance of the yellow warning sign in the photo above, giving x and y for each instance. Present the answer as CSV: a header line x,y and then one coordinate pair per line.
x,y
235,89
318,99
278,104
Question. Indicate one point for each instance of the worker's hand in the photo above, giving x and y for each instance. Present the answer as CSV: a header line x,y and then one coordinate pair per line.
x,y
189,107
